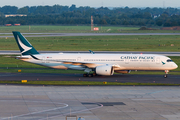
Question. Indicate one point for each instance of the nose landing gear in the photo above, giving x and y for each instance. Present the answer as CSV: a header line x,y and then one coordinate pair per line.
x,y
166,73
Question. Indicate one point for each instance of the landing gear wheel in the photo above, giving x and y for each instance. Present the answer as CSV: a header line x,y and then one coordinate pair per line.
x,y
90,75
94,74
85,75
165,76
166,73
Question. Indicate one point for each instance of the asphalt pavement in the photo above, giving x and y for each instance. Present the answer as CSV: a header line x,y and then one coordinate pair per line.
x,y
17,52
79,77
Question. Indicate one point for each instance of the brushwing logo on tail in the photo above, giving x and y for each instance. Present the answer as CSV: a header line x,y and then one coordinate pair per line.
x,y
26,48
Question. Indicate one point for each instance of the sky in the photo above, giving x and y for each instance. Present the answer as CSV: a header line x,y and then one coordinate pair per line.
x,y
94,3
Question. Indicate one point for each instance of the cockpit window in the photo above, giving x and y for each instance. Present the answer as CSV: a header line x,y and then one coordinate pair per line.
x,y
169,60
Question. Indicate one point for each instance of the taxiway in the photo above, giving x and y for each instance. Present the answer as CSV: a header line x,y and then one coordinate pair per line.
x,y
17,52
78,77
4,35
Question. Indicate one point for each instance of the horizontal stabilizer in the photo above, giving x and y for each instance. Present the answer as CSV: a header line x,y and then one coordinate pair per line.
x,y
17,57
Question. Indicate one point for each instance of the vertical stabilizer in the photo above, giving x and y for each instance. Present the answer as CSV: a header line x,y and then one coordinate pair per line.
x,y
25,47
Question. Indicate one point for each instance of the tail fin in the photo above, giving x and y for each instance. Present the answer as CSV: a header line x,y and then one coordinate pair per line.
x,y
25,47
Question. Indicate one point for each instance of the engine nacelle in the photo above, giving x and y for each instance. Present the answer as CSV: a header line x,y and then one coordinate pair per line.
x,y
122,71
104,70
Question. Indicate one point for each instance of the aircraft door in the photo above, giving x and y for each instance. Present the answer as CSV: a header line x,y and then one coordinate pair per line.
x,y
79,59
127,61
43,59
157,60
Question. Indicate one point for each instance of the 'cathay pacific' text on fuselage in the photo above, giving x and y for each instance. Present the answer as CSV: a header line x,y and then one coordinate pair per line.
x,y
138,57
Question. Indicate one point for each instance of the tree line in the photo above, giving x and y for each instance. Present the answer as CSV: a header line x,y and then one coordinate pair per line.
x,y
57,14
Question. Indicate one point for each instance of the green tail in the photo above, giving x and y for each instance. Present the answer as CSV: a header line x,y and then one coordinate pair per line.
x,y
25,47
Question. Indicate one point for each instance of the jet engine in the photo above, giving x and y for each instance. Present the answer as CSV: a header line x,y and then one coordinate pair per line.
x,y
104,70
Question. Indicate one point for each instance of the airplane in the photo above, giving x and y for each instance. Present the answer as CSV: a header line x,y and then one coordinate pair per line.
x,y
93,64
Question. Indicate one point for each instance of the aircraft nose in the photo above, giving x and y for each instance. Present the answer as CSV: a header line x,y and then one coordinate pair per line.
x,y
175,65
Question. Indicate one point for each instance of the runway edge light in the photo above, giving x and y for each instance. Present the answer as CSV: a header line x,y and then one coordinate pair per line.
x,y
104,82
24,81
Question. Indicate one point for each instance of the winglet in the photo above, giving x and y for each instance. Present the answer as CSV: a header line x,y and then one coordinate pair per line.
x,y
25,47
91,51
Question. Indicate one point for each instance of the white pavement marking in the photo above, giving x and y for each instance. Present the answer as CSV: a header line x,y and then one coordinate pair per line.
x,y
66,105
100,105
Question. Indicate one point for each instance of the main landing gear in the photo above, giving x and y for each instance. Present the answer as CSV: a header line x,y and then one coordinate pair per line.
x,y
89,75
166,73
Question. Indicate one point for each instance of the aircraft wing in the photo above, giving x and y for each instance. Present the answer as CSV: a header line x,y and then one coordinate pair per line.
x,y
79,63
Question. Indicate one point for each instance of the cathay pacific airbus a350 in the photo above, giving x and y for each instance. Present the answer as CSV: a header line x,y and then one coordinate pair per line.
x,y
98,64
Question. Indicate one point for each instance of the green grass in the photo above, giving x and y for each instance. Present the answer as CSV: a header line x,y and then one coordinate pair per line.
x,y
64,29
176,59
85,83
78,29
99,43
